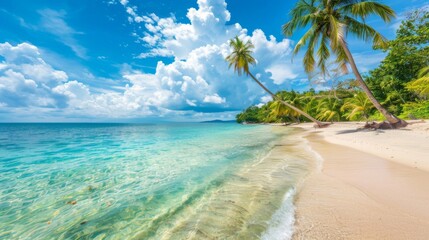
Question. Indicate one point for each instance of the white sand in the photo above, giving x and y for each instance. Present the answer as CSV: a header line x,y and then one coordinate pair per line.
x,y
409,146
373,184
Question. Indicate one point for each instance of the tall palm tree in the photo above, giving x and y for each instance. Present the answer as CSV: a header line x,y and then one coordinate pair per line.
x,y
241,58
330,22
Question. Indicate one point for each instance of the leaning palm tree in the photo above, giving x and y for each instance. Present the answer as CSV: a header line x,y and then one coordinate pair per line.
x,y
330,21
241,58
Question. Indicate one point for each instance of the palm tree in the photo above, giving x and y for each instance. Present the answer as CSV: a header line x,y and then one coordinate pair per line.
x,y
328,109
241,58
357,107
278,109
330,22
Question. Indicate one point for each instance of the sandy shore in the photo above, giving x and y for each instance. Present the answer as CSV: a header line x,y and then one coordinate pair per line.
x,y
372,185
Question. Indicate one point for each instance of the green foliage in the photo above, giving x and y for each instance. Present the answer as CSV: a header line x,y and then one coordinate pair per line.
x,y
329,23
400,83
414,110
277,111
328,109
407,54
323,105
376,116
420,86
241,55
358,107
253,114
241,58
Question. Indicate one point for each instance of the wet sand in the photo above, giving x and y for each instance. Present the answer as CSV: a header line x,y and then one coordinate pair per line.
x,y
362,195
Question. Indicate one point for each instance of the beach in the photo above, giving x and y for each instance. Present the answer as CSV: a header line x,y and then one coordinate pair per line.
x,y
213,181
371,184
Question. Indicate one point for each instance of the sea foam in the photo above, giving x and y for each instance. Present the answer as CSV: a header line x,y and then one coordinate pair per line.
x,y
280,227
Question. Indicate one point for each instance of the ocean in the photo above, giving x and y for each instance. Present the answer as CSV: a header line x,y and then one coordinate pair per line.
x,y
149,181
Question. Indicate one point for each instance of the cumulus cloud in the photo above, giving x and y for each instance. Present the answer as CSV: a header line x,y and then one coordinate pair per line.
x,y
207,26
196,84
199,73
213,99
28,82
280,73
26,79
266,98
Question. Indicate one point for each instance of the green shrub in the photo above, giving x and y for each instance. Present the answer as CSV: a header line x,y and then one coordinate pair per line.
x,y
412,110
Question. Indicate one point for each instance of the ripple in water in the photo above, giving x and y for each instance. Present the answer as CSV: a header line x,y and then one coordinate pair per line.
x,y
170,181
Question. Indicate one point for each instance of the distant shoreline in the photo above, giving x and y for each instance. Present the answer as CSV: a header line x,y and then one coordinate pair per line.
x,y
219,121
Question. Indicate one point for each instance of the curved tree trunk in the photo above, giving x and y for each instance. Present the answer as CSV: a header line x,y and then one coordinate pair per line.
x,y
318,123
392,119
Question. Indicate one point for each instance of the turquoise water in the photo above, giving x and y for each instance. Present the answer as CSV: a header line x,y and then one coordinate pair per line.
x,y
136,181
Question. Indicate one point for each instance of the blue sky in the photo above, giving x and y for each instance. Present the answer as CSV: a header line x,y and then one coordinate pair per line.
x,y
139,61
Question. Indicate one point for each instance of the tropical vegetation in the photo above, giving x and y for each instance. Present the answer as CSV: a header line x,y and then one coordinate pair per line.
x,y
400,83
330,22
241,58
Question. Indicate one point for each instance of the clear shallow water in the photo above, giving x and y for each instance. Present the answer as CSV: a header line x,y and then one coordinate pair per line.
x,y
167,181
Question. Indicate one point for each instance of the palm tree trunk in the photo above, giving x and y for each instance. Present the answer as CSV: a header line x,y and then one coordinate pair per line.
x,y
392,119
319,124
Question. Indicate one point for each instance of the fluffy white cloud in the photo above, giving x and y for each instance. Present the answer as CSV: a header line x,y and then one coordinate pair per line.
x,y
266,98
280,73
25,79
199,73
207,27
197,83
213,99
26,59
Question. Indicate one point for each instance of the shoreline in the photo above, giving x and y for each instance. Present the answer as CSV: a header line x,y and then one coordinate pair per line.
x,y
372,184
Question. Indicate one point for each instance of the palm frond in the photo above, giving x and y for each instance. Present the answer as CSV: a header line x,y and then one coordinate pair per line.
x,y
363,9
309,61
357,107
303,41
336,31
419,86
334,19
323,54
424,72
241,55
365,32
302,14
341,59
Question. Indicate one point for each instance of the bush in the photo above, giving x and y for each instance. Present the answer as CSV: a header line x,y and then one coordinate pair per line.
x,y
377,116
419,110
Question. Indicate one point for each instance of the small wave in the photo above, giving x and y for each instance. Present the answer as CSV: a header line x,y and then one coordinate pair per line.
x,y
280,226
